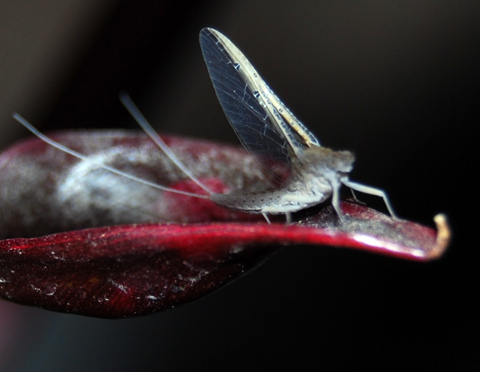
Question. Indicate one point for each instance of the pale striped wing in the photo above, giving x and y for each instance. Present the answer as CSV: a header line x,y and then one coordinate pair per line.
x,y
263,124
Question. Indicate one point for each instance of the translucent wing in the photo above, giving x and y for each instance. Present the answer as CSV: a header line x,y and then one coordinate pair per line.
x,y
261,121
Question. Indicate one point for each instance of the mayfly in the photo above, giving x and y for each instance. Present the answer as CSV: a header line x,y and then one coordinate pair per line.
x,y
267,129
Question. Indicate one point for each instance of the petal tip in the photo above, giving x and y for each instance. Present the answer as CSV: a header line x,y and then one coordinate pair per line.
x,y
444,235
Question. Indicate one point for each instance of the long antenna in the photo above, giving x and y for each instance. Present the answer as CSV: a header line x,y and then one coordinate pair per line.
x,y
76,154
140,119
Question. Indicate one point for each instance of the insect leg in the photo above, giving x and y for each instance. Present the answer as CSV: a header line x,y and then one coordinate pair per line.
x,y
372,191
336,201
288,217
356,199
266,217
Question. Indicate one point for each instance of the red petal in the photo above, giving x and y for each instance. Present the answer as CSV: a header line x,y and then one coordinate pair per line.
x,y
139,269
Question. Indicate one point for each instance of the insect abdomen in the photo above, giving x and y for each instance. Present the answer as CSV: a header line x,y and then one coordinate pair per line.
x,y
250,203
273,202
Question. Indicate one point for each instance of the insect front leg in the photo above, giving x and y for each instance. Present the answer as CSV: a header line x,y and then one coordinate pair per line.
x,y
372,191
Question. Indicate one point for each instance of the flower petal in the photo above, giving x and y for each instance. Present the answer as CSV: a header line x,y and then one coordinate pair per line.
x,y
133,269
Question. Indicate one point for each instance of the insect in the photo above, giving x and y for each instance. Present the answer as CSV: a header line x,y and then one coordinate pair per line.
x,y
266,128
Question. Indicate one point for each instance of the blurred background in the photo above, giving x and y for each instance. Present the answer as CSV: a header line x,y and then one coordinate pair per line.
x,y
397,82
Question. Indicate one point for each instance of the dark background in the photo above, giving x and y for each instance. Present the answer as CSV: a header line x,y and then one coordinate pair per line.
x,y
397,82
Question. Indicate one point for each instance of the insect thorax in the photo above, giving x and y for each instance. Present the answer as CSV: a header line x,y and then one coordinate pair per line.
x,y
321,161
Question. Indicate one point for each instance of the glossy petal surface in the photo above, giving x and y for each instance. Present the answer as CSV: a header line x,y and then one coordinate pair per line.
x,y
160,249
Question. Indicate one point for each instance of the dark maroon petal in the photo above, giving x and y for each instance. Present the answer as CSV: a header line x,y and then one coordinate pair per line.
x,y
139,269
128,270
